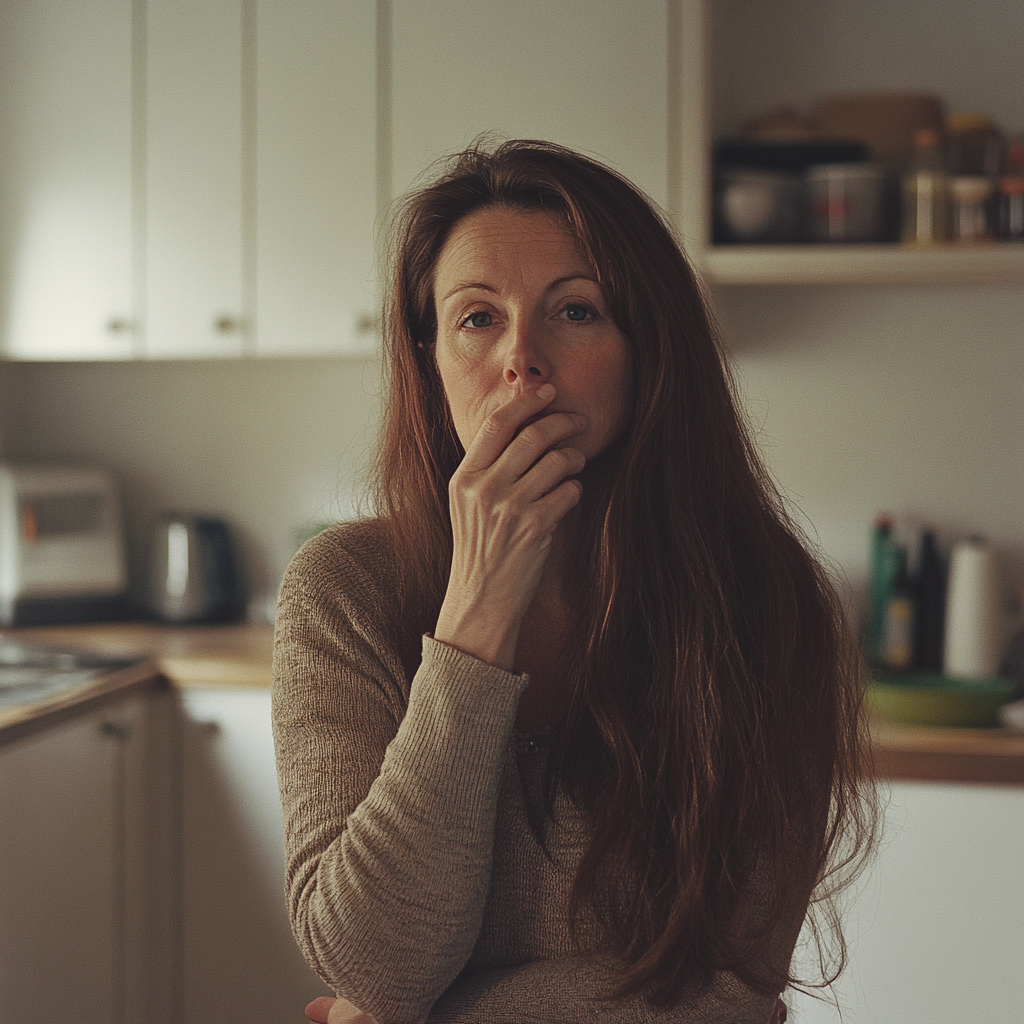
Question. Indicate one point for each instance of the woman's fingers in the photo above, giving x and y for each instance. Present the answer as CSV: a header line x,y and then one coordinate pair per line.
x,y
500,427
318,1010
325,1010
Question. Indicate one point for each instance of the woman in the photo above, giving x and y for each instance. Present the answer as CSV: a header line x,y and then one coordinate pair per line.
x,y
571,731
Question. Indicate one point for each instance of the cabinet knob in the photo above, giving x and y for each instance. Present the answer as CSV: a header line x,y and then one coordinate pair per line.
x,y
119,325
227,324
116,731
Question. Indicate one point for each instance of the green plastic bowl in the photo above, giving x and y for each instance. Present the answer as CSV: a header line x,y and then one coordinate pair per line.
x,y
926,699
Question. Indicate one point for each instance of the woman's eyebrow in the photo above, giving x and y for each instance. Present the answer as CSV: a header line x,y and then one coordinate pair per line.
x,y
572,277
466,286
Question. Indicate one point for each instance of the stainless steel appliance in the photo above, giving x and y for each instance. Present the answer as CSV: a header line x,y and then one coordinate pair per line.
x,y
194,571
62,550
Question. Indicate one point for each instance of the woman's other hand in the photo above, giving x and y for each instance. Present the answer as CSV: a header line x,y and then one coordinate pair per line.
x,y
325,1010
336,1011
507,497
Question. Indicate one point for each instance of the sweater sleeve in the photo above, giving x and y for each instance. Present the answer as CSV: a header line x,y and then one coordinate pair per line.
x,y
389,808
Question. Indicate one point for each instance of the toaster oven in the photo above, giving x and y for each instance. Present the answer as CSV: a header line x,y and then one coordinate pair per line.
x,y
62,551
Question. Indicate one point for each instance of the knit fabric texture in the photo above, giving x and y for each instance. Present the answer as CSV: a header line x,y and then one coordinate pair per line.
x,y
417,888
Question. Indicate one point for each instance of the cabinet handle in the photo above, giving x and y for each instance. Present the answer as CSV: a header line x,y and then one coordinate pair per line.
x,y
117,731
227,324
119,325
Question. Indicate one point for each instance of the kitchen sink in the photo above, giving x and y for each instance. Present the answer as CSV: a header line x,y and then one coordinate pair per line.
x,y
31,673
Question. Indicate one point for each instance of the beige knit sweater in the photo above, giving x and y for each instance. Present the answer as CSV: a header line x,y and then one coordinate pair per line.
x,y
415,883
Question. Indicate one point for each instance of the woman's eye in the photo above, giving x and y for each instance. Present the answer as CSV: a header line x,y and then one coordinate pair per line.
x,y
577,313
481,318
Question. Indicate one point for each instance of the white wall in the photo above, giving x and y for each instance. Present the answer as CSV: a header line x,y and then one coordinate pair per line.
x,y
792,52
907,399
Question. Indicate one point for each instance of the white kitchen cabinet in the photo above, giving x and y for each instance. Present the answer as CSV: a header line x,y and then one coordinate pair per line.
x,y
316,290
76,936
593,76
240,960
936,927
196,185
66,217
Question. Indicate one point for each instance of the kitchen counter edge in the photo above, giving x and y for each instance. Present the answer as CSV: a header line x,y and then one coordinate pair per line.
x,y
239,657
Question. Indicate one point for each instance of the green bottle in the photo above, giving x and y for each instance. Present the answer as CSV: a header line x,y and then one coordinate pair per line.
x,y
884,567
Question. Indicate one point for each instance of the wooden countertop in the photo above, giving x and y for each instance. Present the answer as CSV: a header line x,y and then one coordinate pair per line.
x,y
239,656
179,656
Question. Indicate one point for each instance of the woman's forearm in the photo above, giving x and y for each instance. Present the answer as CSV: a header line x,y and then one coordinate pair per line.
x,y
387,901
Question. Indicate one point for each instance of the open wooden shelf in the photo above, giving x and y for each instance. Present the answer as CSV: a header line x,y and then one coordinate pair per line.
x,y
995,263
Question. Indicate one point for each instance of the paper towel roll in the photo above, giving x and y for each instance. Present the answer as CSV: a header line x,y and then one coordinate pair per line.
x,y
972,613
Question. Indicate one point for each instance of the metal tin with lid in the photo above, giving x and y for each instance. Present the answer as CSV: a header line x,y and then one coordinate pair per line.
x,y
850,202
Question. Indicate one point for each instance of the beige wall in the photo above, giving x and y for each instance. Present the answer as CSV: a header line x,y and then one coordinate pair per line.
x,y
273,446
909,399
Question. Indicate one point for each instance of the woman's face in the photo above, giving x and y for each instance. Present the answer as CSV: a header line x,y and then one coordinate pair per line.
x,y
517,307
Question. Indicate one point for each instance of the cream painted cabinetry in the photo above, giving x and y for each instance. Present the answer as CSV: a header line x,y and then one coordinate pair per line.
x,y
936,931
315,177
85,907
187,180
240,960
194,248
66,218
260,146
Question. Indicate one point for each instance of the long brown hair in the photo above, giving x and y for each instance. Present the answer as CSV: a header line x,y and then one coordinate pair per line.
x,y
715,732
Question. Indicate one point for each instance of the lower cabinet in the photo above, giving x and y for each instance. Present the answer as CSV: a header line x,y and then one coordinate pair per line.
x,y
241,963
142,867
936,927
85,927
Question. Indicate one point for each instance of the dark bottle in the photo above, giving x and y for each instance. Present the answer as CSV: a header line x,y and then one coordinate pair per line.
x,y
929,605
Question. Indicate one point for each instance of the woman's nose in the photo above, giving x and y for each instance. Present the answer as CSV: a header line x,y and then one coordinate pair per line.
x,y
525,362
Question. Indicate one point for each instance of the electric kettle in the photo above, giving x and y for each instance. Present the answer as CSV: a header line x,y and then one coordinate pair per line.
x,y
194,571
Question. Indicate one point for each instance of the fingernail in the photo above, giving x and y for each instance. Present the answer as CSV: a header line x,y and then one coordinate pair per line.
x,y
546,391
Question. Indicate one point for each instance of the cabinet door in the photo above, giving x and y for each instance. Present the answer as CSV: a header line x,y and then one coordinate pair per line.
x,y
936,928
241,962
195,183
591,75
66,169
315,177
61,872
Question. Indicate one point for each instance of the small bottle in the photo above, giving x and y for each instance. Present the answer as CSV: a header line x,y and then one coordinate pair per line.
x,y
929,585
1010,214
925,199
898,635
971,201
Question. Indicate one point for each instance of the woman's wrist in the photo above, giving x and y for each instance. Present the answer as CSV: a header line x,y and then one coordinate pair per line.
x,y
478,635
